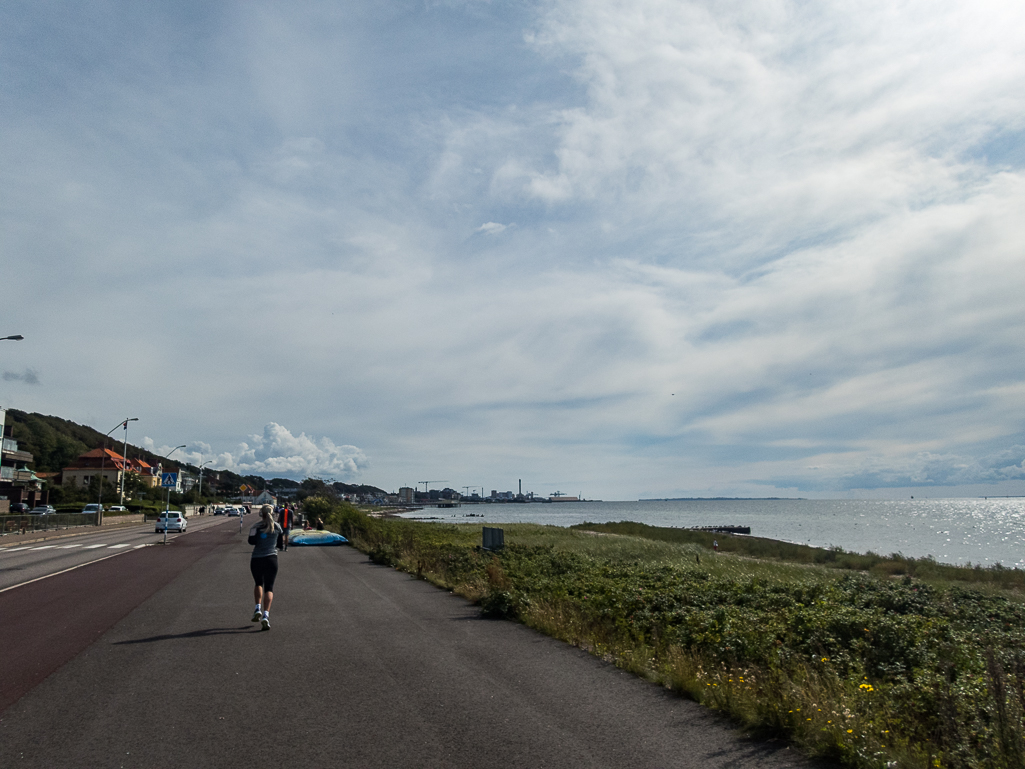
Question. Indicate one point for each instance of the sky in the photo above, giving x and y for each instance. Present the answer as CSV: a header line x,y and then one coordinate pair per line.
x,y
619,249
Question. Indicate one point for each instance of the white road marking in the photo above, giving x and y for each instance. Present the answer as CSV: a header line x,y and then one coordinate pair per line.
x,y
125,544
44,547
67,547
91,547
65,571
15,549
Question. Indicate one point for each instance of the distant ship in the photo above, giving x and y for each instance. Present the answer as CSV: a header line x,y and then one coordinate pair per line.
x,y
558,496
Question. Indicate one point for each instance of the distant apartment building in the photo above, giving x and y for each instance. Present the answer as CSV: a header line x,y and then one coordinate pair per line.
x,y
187,481
406,495
18,482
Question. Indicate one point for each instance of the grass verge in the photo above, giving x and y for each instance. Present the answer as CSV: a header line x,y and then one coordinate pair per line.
x,y
922,669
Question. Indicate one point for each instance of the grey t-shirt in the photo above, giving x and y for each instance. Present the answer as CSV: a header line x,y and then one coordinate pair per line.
x,y
266,543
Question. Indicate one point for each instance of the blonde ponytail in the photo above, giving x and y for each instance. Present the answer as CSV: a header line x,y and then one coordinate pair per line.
x,y
267,513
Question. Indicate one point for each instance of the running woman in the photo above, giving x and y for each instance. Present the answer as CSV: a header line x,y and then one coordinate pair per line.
x,y
264,564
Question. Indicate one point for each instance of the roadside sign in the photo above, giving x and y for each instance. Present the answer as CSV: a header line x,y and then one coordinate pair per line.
x,y
169,480
243,488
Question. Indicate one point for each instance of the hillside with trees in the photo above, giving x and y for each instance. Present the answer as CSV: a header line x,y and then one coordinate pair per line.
x,y
55,442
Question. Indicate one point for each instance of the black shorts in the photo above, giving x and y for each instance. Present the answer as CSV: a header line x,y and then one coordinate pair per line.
x,y
264,570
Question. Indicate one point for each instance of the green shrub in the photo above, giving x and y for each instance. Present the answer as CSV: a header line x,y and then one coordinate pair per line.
x,y
856,666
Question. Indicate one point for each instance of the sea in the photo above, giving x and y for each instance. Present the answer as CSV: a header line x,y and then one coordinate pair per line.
x,y
958,531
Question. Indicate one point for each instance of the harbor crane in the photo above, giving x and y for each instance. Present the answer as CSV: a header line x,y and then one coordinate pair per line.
x,y
426,482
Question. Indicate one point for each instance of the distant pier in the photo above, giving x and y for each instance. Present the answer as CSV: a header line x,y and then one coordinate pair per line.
x,y
723,529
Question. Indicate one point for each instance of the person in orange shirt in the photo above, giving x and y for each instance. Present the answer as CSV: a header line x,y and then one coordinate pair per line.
x,y
285,519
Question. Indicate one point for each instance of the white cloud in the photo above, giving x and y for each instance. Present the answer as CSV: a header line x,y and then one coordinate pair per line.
x,y
492,228
278,452
749,238
939,470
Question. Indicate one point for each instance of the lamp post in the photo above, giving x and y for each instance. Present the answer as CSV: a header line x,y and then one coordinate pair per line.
x,y
200,494
124,471
103,465
167,506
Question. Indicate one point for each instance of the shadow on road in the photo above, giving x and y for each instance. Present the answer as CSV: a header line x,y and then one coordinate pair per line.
x,y
193,634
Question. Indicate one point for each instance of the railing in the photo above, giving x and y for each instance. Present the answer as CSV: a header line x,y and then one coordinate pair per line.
x,y
16,524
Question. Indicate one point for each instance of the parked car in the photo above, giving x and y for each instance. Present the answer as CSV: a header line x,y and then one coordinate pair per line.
x,y
236,511
18,508
221,511
42,510
93,508
170,520
117,509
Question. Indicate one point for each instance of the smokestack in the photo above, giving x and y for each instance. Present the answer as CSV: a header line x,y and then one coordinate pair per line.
x,y
521,487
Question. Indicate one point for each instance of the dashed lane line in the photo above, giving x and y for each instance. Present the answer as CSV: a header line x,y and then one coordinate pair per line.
x,y
68,547
72,568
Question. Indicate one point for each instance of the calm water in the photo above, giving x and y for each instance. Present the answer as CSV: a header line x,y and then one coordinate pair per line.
x,y
984,531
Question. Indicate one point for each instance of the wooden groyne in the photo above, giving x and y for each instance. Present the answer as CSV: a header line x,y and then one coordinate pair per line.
x,y
723,529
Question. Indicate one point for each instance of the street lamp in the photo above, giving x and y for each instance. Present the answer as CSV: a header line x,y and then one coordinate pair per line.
x,y
167,507
124,458
103,465
199,496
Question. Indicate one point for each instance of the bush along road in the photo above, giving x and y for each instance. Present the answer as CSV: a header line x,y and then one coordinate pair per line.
x,y
869,669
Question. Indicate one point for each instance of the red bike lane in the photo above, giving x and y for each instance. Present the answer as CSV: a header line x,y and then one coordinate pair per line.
x,y
46,623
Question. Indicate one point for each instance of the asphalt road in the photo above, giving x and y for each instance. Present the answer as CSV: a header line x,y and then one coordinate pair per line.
x,y
363,667
25,561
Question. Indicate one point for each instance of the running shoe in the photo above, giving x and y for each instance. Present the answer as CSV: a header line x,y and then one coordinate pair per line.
x,y
265,623
257,615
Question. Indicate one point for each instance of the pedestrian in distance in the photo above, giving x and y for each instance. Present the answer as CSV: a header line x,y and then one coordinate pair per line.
x,y
320,524
715,545
264,564
285,519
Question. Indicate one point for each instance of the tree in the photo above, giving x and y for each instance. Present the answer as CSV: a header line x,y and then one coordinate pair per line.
x,y
134,485
315,487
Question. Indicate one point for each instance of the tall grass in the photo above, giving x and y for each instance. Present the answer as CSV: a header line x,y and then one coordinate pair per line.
x,y
895,564
860,667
